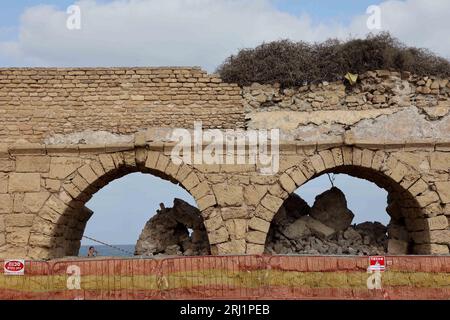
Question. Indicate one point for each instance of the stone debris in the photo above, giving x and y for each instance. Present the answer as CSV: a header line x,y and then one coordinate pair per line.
x,y
326,229
330,208
174,231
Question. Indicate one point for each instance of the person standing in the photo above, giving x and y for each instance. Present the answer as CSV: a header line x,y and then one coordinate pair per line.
x,y
92,252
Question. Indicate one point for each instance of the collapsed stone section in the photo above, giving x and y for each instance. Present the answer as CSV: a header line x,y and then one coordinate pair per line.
x,y
167,232
325,228
374,90
380,106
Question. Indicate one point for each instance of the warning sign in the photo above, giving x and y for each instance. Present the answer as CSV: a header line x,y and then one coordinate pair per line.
x,y
377,263
14,267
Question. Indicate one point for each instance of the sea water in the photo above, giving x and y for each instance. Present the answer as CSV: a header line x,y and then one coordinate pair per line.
x,y
108,251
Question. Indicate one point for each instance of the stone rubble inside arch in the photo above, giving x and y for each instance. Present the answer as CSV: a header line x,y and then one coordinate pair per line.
x,y
326,229
174,231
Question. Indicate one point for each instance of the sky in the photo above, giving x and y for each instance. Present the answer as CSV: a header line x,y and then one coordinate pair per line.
x,y
199,33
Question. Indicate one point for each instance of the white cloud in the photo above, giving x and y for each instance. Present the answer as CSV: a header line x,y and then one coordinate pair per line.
x,y
419,23
197,32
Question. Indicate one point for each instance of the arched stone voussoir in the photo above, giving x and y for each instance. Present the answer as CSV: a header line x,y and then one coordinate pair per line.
x,y
415,197
181,173
59,219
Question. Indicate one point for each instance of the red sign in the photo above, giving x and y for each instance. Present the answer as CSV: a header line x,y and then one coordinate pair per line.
x,y
377,263
14,267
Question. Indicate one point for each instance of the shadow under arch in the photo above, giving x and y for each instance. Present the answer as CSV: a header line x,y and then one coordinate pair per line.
x,y
60,225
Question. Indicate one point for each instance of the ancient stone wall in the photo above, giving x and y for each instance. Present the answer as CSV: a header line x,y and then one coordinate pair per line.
x,y
384,106
42,104
44,190
51,167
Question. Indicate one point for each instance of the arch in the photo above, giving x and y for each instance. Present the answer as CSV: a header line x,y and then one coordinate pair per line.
x,y
409,197
59,225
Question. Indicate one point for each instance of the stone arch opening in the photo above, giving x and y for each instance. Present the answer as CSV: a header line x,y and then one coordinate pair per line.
x,y
326,227
412,205
143,215
60,224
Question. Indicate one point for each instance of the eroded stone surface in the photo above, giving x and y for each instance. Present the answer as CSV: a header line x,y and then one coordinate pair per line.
x,y
167,233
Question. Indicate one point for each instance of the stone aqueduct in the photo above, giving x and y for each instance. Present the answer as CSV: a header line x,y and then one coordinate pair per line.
x,y
66,133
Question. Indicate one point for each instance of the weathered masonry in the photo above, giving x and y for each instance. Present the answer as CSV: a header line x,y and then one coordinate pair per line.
x,y
66,133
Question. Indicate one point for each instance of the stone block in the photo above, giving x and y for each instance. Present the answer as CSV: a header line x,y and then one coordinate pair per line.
x,y
6,203
347,154
366,158
443,189
257,237
397,247
357,157
24,182
107,162
440,161
162,163
287,183
214,222
253,194
253,248
3,183
328,159
17,236
258,224
32,164
297,175
191,181
271,202
437,223
427,198
42,240
418,187
234,213
7,165
218,236
235,246
317,163
399,172
52,185
87,173
434,249
62,167
206,202
338,156
200,190
34,201
237,228
19,220
228,195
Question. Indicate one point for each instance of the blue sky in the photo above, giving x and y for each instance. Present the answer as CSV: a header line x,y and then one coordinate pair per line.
x,y
199,33
203,32
320,10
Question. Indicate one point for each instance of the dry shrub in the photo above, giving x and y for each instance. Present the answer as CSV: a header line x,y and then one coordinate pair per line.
x,y
296,63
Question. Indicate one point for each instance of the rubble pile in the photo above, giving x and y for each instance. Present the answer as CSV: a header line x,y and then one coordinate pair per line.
x,y
325,228
174,231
